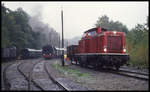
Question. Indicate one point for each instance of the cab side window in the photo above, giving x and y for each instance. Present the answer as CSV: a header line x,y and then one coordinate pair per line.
x,y
93,33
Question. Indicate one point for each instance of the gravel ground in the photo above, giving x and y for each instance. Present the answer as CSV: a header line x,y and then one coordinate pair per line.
x,y
106,81
3,66
41,77
96,80
27,67
69,84
15,79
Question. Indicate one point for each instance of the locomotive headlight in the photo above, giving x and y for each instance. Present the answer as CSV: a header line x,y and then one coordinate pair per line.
x,y
124,50
105,49
115,32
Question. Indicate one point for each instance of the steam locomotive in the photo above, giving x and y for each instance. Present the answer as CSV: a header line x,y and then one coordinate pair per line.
x,y
50,52
27,53
100,48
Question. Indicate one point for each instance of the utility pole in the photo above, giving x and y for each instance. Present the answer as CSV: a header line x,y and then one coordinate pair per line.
x,y
62,38
67,43
59,41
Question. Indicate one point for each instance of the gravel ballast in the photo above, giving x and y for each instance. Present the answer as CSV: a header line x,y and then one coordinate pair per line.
x,y
98,80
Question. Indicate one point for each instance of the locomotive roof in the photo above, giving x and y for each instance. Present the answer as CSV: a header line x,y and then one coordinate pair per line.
x,y
90,30
60,48
94,29
32,50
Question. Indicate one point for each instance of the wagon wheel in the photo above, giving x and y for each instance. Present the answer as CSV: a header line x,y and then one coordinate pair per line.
x,y
117,67
71,61
80,63
76,62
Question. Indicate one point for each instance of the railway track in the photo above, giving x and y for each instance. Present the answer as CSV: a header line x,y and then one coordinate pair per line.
x,y
64,83
38,71
54,80
28,75
132,73
6,83
43,83
125,72
28,71
13,79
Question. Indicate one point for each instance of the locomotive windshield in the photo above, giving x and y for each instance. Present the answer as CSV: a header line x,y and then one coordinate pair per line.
x,y
93,33
83,35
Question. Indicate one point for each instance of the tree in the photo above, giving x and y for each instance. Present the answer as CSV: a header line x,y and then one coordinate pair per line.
x,y
18,31
111,25
137,39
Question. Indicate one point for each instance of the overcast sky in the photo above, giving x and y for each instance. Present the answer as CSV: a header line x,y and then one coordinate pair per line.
x,y
81,16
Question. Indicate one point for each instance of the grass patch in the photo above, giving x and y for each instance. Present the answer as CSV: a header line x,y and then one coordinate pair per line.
x,y
69,72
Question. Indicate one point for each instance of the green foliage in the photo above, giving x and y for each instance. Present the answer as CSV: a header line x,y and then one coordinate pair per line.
x,y
16,31
5,37
137,40
111,25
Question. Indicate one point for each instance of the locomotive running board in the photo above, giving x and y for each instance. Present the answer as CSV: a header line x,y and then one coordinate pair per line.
x,y
101,54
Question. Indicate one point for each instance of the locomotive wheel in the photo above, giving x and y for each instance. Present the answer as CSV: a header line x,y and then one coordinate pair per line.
x,y
100,66
71,62
117,67
86,65
96,65
81,64
76,62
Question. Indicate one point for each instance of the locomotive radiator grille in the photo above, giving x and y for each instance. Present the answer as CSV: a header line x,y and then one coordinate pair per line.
x,y
114,43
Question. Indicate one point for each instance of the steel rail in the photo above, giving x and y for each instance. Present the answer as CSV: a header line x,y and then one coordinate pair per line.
x,y
54,80
30,76
129,74
137,75
133,71
6,83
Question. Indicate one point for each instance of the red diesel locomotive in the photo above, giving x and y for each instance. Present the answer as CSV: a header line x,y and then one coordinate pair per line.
x,y
100,47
